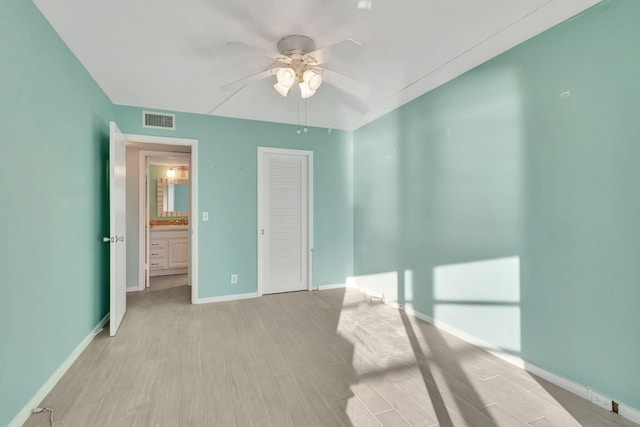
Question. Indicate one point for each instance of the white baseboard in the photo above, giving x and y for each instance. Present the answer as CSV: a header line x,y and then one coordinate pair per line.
x,y
579,390
226,298
471,339
629,413
48,385
562,382
514,360
325,287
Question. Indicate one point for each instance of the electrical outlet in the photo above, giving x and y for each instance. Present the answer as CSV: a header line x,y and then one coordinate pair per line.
x,y
234,279
601,401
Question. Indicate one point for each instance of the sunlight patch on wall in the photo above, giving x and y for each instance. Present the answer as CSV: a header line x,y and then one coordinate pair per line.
x,y
408,288
481,298
492,280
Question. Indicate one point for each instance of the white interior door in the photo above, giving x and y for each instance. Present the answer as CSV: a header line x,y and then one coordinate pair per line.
x,y
283,201
117,219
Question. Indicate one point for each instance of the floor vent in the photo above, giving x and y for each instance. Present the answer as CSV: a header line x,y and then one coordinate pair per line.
x,y
158,120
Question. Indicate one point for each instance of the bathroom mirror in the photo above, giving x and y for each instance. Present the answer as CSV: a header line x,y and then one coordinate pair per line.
x,y
173,197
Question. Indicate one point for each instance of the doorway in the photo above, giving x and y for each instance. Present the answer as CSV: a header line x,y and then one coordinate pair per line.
x,y
166,219
285,220
178,258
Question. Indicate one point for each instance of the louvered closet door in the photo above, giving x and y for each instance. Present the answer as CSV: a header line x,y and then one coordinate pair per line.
x,y
285,223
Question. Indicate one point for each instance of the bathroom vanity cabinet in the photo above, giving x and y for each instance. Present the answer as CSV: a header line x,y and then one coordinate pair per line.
x,y
168,251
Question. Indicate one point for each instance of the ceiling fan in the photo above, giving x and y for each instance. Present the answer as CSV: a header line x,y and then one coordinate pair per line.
x,y
297,62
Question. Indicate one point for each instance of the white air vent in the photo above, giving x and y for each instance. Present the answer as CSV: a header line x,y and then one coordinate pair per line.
x,y
158,120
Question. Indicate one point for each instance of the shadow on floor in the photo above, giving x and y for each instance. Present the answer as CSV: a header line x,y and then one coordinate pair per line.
x,y
326,358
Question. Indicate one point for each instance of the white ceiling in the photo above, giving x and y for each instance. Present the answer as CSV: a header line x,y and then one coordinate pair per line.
x,y
173,55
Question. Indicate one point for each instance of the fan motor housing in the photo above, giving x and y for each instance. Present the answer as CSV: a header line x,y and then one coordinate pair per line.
x,y
296,44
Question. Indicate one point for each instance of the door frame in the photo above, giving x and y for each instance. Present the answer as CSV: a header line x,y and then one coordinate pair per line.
x,y
262,211
193,208
144,159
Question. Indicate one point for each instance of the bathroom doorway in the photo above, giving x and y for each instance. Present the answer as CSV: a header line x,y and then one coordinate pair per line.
x,y
171,226
167,219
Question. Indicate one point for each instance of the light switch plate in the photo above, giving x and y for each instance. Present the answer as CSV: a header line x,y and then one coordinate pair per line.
x,y
205,216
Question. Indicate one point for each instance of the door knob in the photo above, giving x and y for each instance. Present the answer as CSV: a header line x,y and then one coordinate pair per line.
x,y
108,239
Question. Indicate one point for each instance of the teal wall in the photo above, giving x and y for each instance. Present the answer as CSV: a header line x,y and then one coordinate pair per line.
x,y
227,189
54,148
494,167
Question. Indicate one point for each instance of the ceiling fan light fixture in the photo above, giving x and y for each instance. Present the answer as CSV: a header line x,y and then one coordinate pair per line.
x,y
299,62
306,91
313,79
281,89
286,77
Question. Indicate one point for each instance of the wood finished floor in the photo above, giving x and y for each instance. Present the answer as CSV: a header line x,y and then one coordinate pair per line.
x,y
327,358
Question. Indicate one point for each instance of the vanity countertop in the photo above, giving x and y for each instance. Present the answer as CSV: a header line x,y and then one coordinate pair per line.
x,y
169,224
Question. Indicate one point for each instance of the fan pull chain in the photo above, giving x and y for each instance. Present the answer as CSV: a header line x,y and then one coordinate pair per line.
x,y
298,108
305,116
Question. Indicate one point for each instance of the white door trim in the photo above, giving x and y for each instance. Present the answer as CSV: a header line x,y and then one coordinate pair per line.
x,y
143,209
194,213
262,213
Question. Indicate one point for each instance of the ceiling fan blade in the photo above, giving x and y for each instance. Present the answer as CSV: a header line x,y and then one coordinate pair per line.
x,y
224,101
260,51
246,80
241,84
343,49
347,84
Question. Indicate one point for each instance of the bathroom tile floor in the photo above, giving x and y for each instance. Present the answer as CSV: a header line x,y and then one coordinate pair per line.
x,y
157,283
324,358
